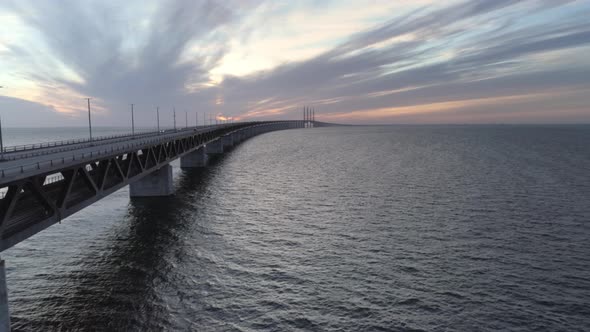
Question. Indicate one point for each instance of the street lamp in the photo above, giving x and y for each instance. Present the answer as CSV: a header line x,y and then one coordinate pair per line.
x,y
1,142
132,122
158,118
89,120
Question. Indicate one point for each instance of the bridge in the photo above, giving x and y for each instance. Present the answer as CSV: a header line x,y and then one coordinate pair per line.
x,y
41,184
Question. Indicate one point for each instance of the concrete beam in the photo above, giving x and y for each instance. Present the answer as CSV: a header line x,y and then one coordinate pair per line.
x,y
237,137
197,158
157,183
215,147
228,141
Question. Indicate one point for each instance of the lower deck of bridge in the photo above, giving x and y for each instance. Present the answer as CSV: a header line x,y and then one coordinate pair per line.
x,y
157,183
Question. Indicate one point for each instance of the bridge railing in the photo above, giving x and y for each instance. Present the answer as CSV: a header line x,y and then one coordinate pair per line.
x,y
37,149
43,145
35,146
88,156
75,157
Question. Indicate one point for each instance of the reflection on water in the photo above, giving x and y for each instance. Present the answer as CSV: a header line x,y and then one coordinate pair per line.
x,y
117,285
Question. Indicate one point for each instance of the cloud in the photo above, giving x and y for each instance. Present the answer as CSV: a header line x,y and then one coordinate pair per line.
x,y
354,77
13,110
422,57
117,62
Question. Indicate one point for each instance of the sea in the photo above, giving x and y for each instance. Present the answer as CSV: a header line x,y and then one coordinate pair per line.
x,y
352,228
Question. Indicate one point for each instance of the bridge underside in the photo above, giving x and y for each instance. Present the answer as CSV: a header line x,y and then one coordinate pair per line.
x,y
37,202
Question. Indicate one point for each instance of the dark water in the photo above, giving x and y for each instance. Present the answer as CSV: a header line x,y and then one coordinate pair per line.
x,y
443,228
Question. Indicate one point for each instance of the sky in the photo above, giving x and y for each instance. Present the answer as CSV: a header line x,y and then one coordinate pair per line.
x,y
353,61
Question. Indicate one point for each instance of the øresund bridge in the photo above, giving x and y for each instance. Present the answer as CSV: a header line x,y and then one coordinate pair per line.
x,y
41,184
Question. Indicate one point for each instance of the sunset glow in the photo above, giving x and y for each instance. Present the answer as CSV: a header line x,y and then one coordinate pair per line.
x,y
355,61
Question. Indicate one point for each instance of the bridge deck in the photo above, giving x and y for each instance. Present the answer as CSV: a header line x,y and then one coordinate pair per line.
x,y
87,171
42,186
22,164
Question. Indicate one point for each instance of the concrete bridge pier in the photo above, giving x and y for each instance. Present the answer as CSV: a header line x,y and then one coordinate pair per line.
x,y
157,183
4,312
197,158
215,147
237,136
228,141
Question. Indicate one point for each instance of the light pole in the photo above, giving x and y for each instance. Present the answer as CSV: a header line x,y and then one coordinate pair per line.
x,y
1,142
132,122
174,115
196,119
89,120
158,118
185,119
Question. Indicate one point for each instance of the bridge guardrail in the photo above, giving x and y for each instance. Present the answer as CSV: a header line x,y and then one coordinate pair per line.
x,y
36,146
72,143
75,157
88,155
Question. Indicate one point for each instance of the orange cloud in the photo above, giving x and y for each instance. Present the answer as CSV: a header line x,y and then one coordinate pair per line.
x,y
423,112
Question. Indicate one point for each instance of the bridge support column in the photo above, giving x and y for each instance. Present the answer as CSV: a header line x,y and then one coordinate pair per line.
x,y
228,141
194,159
215,147
237,137
157,183
4,312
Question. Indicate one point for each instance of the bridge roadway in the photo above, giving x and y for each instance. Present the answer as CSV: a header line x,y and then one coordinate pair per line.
x,y
12,165
42,184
